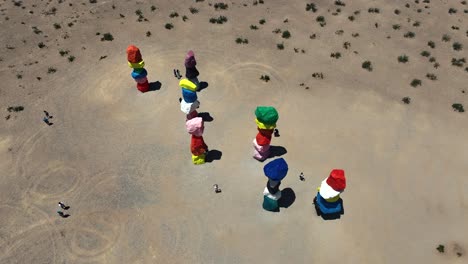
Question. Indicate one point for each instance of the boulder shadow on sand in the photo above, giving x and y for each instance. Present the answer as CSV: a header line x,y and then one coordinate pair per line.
x,y
205,116
288,196
213,155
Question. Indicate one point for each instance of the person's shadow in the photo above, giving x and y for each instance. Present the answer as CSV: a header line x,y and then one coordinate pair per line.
x,y
213,155
205,116
287,198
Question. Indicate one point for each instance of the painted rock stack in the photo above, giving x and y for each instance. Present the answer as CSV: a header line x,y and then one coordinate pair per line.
x,y
275,171
136,62
191,71
267,116
195,127
189,102
328,203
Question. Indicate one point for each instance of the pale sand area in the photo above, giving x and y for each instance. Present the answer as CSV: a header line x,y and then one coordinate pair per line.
x,y
121,159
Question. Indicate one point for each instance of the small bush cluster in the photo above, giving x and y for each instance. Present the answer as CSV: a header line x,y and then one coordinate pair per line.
x,y
280,46
458,62
107,37
446,38
335,55
173,14
458,108
311,7
403,58
431,44
406,100
321,20
242,41
219,20
416,82
222,6
373,10
169,26
409,34
193,10
265,78
425,53
286,34
367,65
431,76
457,46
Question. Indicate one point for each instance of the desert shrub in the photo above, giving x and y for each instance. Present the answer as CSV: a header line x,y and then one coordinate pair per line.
x,y
457,46
397,11
335,55
193,10
396,27
169,26
57,26
107,37
148,33
458,108
51,70
71,58
92,1
432,59
222,6
184,18
311,7
425,53
351,18
253,27
262,21
173,14
431,76
339,3
19,76
153,8
367,65
406,100
265,78
416,24
403,58
286,34
458,62
431,44
41,45
416,82
452,10
280,46
446,38
409,34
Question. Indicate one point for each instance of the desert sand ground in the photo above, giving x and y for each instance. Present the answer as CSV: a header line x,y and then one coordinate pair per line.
x,y
121,158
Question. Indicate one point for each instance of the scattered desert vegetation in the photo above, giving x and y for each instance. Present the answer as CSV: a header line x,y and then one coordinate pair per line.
x,y
153,8
431,76
169,26
107,37
416,82
57,26
317,75
41,45
262,21
321,20
403,58
219,20
71,58
241,40
409,34
458,62
457,46
335,55
280,46
221,6
406,100
173,14
373,10
253,27
367,65
286,34
265,78
15,108
458,108
193,10
446,38
431,44
148,33
311,7
425,53
51,70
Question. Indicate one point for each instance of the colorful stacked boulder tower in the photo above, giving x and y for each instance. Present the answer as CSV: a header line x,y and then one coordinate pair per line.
x,y
275,171
139,74
328,203
267,116
189,102
198,147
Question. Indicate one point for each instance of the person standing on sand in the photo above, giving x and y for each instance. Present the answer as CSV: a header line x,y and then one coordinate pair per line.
x,y
327,202
275,171
191,71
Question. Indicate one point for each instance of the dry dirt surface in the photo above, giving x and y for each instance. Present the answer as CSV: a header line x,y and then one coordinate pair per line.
x,y
121,158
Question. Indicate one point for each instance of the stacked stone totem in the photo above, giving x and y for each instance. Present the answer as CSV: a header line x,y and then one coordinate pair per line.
x,y
139,74
275,171
266,118
198,147
189,102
